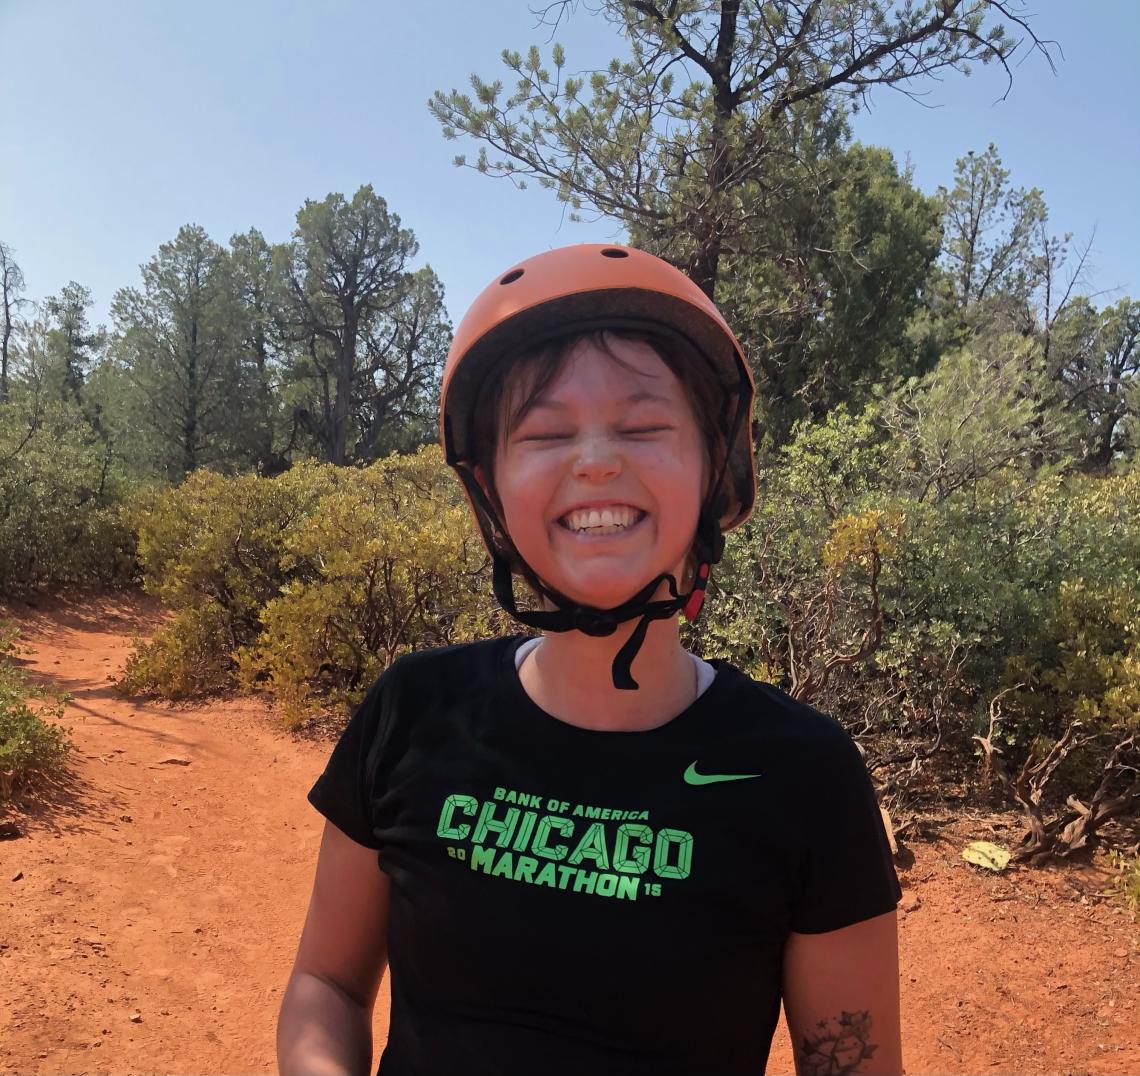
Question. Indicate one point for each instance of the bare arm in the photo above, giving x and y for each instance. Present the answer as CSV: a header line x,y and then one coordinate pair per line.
x,y
325,1024
841,999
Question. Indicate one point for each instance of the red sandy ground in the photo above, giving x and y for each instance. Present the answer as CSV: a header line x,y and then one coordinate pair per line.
x,y
177,893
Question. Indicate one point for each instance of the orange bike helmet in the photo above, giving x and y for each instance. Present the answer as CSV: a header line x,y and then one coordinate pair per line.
x,y
568,291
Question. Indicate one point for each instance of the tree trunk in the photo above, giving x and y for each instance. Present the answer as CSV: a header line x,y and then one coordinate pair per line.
x,y
1098,461
265,407
705,263
190,414
345,368
4,346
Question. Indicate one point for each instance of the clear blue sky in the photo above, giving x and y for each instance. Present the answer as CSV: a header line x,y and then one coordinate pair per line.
x,y
120,121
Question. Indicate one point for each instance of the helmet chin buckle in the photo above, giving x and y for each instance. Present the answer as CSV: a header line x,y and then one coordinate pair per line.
x,y
593,623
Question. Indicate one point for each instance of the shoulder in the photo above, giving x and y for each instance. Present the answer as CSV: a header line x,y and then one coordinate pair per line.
x,y
438,673
460,664
799,731
419,685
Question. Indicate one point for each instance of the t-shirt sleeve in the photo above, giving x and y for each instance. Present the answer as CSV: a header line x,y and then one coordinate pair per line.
x,y
345,791
846,870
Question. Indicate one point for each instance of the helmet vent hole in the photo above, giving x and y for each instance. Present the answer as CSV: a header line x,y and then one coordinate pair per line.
x,y
512,276
613,252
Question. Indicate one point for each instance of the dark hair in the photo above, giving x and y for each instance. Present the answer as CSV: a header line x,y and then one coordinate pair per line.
x,y
498,411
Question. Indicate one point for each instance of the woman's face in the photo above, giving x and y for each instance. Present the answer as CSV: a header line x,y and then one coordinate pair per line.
x,y
604,439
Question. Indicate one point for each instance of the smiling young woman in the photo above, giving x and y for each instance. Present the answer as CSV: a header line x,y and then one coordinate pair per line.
x,y
589,850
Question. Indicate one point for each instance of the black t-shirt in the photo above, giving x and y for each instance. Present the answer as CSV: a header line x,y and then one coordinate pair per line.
x,y
568,900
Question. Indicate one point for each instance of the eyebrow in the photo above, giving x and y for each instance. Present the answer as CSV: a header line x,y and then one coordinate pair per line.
x,y
637,397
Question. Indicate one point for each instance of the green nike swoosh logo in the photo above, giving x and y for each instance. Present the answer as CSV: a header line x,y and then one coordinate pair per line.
x,y
694,778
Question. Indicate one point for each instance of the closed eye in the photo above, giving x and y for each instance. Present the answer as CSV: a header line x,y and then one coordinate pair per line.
x,y
640,431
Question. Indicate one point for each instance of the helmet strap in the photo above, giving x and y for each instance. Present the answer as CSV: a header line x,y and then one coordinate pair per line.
x,y
590,620
696,598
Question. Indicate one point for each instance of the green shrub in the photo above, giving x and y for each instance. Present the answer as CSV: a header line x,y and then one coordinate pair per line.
x,y
30,747
211,549
189,656
220,539
1013,576
399,566
309,584
1126,883
1081,660
774,575
59,496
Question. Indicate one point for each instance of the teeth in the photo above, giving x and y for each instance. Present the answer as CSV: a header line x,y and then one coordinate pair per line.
x,y
617,516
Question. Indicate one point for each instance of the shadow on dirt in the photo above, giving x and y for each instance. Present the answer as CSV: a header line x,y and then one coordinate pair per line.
x,y
64,803
48,616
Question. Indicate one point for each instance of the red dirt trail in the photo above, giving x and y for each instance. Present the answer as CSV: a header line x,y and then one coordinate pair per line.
x,y
176,893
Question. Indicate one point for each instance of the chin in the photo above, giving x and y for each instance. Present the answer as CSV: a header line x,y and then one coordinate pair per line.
x,y
608,593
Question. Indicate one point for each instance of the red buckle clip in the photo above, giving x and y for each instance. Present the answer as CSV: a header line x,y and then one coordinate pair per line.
x,y
697,598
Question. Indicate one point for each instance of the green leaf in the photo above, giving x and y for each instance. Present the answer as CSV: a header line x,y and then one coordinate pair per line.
x,y
985,854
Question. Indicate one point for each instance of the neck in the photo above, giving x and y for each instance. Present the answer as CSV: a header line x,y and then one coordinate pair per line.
x,y
570,675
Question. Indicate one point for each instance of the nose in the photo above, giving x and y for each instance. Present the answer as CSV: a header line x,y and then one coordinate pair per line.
x,y
598,459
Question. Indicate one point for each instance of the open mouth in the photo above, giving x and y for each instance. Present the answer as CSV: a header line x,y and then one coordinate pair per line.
x,y
602,522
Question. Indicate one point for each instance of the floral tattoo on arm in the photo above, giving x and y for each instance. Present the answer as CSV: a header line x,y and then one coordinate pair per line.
x,y
837,1046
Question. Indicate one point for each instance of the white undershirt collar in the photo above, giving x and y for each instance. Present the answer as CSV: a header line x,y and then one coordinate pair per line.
x,y
705,672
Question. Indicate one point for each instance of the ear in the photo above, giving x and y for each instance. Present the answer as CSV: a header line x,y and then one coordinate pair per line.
x,y
484,482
